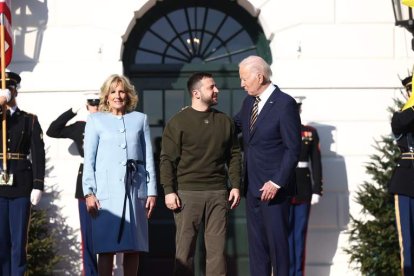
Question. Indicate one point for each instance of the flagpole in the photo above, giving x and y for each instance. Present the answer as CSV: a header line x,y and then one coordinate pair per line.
x,y
3,86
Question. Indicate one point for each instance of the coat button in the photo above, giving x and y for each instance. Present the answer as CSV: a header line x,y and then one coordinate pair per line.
x,y
122,130
122,146
123,163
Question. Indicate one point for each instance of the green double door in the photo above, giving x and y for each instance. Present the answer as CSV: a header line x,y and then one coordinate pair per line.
x,y
162,93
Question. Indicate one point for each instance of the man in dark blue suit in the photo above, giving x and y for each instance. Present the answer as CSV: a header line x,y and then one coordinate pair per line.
x,y
270,124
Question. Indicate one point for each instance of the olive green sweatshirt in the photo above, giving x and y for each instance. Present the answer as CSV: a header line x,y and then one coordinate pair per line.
x,y
200,152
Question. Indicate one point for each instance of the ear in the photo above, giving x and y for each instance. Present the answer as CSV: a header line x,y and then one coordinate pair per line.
x,y
196,93
260,78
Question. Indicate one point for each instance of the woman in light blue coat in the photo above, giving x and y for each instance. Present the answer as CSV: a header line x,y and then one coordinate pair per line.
x,y
118,176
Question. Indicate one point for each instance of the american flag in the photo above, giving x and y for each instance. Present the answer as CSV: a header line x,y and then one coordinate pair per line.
x,y
6,21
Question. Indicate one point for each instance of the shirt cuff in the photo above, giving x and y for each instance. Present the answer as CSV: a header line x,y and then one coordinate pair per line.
x,y
274,184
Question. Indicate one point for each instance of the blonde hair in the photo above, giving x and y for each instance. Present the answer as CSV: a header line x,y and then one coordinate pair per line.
x,y
131,94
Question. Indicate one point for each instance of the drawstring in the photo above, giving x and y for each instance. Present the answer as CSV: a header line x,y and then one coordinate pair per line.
x,y
131,168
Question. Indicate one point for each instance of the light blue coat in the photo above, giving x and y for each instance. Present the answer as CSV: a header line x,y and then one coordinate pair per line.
x,y
109,142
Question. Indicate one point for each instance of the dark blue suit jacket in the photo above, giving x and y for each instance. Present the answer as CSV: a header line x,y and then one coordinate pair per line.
x,y
272,148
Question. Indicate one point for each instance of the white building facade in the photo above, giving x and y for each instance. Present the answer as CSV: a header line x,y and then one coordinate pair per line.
x,y
344,56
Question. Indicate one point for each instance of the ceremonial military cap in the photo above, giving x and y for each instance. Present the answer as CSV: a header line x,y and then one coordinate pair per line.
x,y
12,78
299,100
92,98
407,82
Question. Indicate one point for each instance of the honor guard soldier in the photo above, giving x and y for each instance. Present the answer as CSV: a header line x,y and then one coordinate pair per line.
x,y
401,183
60,128
24,185
309,191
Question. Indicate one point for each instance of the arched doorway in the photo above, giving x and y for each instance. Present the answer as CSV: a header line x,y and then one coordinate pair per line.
x,y
167,44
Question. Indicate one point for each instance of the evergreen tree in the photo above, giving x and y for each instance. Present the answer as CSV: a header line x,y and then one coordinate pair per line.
x,y
42,254
52,248
373,239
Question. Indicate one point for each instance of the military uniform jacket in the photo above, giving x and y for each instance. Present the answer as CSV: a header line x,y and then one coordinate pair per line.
x,y
25,137
402,180
76,132
309,170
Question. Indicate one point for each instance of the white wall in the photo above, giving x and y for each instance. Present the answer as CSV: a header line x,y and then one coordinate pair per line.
x,y
345,56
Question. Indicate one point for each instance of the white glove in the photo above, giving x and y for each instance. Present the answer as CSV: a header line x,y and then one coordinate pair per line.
x,y
315,199
77,107
35,196
5,93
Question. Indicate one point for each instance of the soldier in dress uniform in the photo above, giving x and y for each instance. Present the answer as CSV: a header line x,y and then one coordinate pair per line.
x,y
59,128
25,186
402,181
309,191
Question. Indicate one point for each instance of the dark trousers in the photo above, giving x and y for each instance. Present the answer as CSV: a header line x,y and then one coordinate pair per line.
x,y
404,213
197,206
14,224
268,231
298,224
89,259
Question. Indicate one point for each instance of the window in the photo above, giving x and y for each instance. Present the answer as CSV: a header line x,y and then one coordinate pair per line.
x,y
195,35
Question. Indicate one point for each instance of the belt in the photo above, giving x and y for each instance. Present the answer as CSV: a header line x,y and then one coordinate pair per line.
x,y
15,156
303,164
407,155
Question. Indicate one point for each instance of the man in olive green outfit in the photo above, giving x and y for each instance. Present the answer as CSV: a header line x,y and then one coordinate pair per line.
x,y
200,152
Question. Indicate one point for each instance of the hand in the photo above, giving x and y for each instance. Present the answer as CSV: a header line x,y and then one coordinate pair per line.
x,y
235,197
5,96
172,201
269,191
35,196
315,199
151,201
92,205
